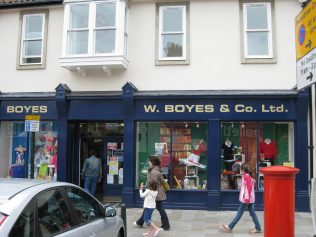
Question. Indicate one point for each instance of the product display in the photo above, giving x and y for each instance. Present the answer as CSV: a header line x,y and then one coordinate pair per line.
x,y
184,157
268,149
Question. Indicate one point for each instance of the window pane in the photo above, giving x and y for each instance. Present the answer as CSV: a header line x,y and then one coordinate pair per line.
x,y
258,144
24,226
32,60
86,208
257,43
257,17
53,214
172,45
33,48
78,42
172,19
105,41
181,149
79,16
105,15
33,27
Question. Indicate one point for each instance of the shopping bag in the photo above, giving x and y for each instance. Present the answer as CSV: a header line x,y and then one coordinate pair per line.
x,y
165,185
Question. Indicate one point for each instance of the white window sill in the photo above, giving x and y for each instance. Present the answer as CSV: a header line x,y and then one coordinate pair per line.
x,y
83,63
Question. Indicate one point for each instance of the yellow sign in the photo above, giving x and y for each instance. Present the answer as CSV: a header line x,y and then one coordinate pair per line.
x,y
288,164
32,117
305,30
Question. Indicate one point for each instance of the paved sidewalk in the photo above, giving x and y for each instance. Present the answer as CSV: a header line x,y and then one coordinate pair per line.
x,y
193,223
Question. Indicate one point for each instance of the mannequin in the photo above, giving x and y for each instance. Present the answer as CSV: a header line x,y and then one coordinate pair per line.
x,y
228,152
19,155
268,148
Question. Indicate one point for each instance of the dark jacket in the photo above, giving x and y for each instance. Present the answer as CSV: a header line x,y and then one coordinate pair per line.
x,y
154,174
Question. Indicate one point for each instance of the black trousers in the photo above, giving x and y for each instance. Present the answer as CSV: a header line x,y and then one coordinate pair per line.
x,y
163,216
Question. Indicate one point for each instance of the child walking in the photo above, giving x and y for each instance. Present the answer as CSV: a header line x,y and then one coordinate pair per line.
x,y
150,195
247,199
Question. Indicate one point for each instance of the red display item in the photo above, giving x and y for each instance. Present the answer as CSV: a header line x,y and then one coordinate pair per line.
x,y
268,149
279,201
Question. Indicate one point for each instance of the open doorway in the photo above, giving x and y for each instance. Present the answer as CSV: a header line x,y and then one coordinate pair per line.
x,y
106,139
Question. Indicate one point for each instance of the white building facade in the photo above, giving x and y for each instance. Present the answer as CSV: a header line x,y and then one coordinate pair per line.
x,y
203,84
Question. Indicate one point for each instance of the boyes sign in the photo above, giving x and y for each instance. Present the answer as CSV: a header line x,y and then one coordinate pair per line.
x,y
305,33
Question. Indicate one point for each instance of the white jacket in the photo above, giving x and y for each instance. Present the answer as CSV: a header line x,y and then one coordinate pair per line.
x,y
150,198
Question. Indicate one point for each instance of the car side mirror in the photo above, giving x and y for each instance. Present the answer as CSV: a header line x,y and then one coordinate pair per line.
x,y
110,212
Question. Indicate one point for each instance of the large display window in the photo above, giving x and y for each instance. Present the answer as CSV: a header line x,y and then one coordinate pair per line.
x,y
259,144
181,147
28,154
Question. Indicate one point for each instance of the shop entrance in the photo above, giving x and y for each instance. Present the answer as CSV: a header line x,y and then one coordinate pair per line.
x,y
106,139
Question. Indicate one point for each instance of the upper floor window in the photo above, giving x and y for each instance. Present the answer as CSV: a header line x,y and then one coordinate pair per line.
x,y
91,28
172,42
32,40
257,30
95,29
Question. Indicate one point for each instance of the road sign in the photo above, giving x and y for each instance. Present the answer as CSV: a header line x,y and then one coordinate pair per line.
x,y
305,30
305,41
306,70
32,125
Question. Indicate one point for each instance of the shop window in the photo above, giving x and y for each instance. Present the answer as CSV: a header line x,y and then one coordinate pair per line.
x,y
172,33
181,148
33,40
256,144
257,31
29,154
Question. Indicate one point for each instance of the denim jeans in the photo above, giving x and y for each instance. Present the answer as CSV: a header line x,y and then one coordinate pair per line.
x,y
147,215
240,212
90,184
163,215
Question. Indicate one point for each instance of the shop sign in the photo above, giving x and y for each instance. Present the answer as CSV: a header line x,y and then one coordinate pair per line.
x,y
111,145
305,41
210,108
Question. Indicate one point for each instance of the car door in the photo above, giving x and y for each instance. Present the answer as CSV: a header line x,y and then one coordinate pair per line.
x,y
54,216
91,214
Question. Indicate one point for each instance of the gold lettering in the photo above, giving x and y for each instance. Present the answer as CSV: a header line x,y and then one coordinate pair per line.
x,y
169,108
19,109
10,109
264,110
43,109
189,107
199,108
147,108
239,108
209,108
179,108
35,109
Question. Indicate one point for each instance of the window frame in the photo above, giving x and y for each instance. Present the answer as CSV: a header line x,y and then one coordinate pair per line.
x,y
184,59
91,28
22,40
271,56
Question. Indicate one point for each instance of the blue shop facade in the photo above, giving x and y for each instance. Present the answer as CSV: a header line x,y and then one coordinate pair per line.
x,y
201,138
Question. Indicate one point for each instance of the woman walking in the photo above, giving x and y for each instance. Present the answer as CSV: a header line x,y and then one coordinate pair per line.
x,y
154,175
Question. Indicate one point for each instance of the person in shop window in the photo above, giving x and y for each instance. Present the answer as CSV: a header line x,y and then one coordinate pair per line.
x,y
92,172
154,175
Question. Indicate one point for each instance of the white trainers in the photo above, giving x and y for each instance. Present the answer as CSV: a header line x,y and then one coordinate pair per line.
x,y
136,225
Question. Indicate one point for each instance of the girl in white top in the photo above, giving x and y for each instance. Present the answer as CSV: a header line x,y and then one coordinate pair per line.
x,y
149,196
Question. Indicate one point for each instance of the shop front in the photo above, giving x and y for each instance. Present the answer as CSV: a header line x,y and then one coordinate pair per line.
x,y
201,138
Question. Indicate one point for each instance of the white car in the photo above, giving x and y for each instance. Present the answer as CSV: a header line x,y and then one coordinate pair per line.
x,y
33,208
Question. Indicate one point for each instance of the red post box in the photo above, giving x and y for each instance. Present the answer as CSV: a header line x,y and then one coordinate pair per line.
x,y
279,201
